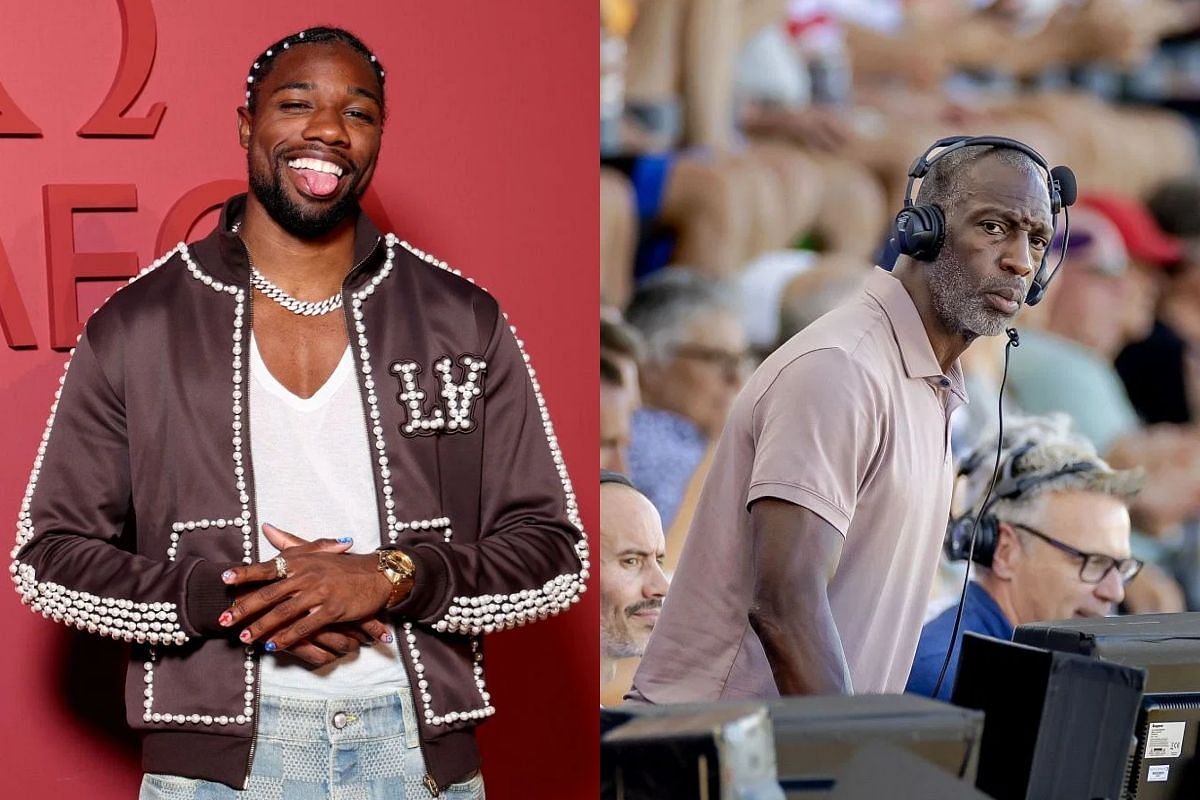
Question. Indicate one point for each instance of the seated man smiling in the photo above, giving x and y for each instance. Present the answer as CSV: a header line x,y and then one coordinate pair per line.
x,y
1051,543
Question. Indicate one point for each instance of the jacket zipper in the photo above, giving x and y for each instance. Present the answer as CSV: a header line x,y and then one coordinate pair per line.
x,y
252,506
429,782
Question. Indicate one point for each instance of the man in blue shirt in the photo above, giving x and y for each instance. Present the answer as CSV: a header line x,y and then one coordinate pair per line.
x,y
1051,543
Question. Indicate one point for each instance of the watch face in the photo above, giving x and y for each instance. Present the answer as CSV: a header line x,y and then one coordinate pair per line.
x,y
398,562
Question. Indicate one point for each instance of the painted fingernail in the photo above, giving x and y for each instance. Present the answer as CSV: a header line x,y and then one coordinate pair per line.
x,y
228,576
388,638
244,636
225,618
345,539
269,647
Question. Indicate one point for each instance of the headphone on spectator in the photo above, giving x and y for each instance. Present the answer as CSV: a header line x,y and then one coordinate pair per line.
x,y
920,230
1011,486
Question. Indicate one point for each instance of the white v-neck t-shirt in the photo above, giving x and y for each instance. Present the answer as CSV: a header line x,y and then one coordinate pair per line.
x,y
312,478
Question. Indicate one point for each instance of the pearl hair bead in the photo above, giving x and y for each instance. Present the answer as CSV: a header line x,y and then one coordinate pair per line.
x,y
299,38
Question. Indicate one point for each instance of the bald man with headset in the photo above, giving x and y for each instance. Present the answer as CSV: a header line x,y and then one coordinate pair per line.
x,y
816,537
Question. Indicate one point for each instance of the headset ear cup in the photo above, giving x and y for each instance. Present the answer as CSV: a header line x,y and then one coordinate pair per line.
x,y
920,231
957,544
985,540
958,537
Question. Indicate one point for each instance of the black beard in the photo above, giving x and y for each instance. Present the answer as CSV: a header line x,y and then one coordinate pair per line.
x,y
268,188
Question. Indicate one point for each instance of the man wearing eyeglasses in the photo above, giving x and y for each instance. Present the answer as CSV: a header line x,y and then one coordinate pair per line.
x,y
1061,548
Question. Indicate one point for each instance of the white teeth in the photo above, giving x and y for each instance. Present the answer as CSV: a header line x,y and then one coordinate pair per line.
x,y
315,164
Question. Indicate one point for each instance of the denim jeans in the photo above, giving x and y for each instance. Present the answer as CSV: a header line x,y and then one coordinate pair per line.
x,y
348,749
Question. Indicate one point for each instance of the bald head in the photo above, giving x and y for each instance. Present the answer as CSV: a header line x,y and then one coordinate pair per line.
x,y
632,583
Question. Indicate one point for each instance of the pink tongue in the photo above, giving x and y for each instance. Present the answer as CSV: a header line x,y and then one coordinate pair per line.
x,y
319,183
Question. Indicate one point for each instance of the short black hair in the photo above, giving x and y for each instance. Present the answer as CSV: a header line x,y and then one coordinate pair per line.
x,y
610,373
1175,205
946,182
265,63
621,339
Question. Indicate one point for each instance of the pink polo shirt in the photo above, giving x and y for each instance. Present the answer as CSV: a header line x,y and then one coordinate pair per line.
x,y
850,419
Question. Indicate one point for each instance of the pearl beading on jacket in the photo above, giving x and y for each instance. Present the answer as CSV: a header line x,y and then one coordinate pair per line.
x,y
450,717
180,528
458,397
241,522
475,615
150,715
118,618
413,399
364,364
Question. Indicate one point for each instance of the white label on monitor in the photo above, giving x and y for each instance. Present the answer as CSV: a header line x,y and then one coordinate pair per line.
x,y
1158,773
1165,739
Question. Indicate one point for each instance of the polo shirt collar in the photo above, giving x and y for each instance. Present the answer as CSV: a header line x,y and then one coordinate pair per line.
x,y
915,350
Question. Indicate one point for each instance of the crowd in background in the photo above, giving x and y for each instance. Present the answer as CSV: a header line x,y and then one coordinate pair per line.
x,y
754,154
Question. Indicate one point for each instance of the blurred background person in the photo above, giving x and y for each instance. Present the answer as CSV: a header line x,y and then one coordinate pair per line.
x,y
632,582
620,352
696,362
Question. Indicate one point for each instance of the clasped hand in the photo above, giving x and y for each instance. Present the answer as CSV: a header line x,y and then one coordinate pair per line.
x,y
322,610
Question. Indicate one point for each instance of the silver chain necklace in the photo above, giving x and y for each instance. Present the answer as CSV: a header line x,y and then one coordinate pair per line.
x,y
304,308
310,308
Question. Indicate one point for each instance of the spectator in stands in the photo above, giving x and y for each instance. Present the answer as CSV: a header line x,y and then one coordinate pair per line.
x,y
1096,307
701,198
616,409
696,361
1052,542
632,583
1162,372
622,345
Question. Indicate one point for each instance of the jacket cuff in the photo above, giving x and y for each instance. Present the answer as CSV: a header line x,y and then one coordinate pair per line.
x,y
207,597
430,581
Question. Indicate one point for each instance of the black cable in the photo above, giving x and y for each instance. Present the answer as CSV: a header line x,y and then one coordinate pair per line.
x,y
1013,341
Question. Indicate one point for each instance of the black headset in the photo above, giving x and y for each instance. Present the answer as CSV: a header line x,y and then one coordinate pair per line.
x,y
1012,485
920,230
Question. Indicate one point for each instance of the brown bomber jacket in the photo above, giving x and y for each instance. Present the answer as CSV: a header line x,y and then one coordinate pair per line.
x,y
142,492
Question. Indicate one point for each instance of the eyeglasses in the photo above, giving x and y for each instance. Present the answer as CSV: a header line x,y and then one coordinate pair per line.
x,y
735,364
1095,566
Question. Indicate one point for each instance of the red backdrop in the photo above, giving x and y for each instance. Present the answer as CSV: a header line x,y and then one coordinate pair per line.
x,y
488,161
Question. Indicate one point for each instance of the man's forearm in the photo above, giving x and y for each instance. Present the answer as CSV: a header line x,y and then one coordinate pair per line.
x,y
804,648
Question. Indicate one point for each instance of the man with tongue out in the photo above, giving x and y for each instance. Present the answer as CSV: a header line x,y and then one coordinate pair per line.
x,y
337,465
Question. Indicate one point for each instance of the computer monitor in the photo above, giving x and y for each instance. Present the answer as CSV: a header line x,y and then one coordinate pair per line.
x,y
1057,726
1167,646
814,738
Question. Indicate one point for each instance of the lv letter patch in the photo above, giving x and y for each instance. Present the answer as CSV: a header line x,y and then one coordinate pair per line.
x,y
452,413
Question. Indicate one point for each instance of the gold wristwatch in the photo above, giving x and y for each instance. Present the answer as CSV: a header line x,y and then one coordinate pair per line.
x,y
398,568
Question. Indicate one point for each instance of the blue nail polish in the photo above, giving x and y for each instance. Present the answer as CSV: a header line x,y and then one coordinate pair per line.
x,y
227,576
388,638
269,647
345,539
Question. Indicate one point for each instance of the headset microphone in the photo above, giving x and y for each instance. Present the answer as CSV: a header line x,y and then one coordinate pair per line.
x,y
1013,336
1062,180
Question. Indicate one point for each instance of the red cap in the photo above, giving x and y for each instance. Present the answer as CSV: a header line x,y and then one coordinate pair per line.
x,y
1145,241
